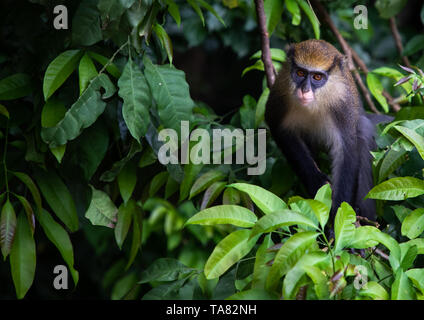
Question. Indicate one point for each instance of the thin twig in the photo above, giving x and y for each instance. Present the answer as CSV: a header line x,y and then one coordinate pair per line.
x,y
382,254
366,220
398,41
266,52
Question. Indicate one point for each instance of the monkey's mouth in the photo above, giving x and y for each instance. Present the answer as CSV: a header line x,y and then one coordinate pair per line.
x,y
305,98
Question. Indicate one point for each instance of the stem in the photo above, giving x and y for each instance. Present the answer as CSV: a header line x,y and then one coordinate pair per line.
x,y
398,41
113,57
266,52
329,250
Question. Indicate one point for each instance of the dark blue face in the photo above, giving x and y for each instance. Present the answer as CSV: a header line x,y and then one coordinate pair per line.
x,y
306,79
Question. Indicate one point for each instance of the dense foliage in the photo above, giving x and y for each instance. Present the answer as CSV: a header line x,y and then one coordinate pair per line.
x,y
81,110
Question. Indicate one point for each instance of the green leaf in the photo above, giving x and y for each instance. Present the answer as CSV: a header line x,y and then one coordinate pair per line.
x,y
125,213
87,72
282,218
260,107
191,171
171,93
320,210
164,40
60,238
107,63
391,161
53,111
204,181
229,251
29,183
127,180
164,269
414,138
16,86
112,10
276,55
253,294
208,7
307,9
295,274
7,228
294,9
23,257
374,290
288,255
389,8
376,88
82,114
224,214
28,210
211,193
273,11
58,197
3,111
197,9
320,281
324,195
265,200
86,29
399,188
344,228
174,11
413,224
59,70
137,234
158,181
414,45
231,196
260,269
402,288
258,65
102,211
417,278
135,92
363,238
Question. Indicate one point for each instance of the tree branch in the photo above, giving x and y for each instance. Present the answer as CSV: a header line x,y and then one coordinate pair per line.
x,y
266,52
398,41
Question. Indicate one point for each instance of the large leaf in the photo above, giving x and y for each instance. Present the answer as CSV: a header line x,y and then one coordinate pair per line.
x,y
293,276
416,139
265,200
23,257
261,270
391,161
102,211
417,278
86,29
307,9
29,183
133,88
223,214
15,86
82,114
164,269
282,218
288,255
171,93
402,287
204,181
58,197
125,214
60,238
7,228
59,70
127,180
112,10
344,228
229,251
273,11
413,224
374,290
363,238
376,88
87,72
212,193
399,188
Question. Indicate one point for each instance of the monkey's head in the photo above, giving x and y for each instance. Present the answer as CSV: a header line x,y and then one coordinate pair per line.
x,y
315,67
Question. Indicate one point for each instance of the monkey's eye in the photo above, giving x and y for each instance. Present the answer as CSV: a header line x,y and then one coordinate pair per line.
x,y
317,76
300,73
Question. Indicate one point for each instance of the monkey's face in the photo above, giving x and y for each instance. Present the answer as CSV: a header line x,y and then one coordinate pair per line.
x,y
307,81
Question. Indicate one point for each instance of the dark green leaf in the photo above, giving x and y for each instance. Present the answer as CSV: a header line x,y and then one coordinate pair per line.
x,y
86,24
15,86
7,228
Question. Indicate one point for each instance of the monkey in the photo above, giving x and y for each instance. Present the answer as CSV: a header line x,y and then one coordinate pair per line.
x,y
314,104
